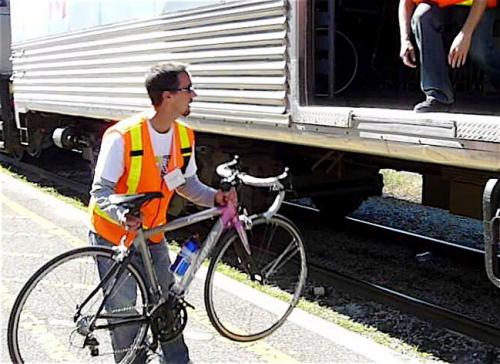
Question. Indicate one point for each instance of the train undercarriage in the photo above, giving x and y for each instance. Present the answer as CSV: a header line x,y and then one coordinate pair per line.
x,y
336,182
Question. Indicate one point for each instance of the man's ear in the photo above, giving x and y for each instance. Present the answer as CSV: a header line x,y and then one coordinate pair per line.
x,y
166,96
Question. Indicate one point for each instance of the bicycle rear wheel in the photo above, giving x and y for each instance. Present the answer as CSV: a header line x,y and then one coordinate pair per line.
x,y
276,268
43,326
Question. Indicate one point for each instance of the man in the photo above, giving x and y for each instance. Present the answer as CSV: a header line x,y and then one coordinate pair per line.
x,y
428,19
142,154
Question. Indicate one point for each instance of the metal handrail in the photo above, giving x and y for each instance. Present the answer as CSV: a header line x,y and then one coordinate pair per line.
x,y
491,221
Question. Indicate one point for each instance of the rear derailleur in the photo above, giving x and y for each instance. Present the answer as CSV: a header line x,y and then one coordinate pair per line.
x,y
83,328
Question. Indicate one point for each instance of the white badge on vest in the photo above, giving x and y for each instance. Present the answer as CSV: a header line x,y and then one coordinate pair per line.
x,y
174,179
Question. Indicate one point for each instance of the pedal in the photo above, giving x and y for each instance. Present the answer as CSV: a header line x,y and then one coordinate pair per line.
x,y
93,345
187,304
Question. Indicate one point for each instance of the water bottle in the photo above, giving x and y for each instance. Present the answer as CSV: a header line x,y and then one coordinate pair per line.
x,y
185,257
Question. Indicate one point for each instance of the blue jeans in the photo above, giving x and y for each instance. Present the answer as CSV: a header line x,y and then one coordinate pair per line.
x,y
174,351
428,23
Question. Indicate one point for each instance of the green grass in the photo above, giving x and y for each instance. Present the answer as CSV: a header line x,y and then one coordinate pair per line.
x,y
49,190
402,185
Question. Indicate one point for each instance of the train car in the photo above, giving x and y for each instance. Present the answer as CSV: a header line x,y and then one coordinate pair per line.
x,y
6,115
315,84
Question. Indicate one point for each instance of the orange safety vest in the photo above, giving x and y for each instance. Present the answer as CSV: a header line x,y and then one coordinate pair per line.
x,y
445,3
142,175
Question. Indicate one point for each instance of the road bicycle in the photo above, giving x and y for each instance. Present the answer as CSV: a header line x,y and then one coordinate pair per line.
x,y
61,313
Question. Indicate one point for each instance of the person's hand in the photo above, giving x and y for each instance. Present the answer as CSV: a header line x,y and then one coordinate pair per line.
x,y
407,54
132,223
459,50
222,198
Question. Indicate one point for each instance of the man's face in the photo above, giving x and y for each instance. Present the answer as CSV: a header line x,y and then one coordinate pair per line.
x,y
181,98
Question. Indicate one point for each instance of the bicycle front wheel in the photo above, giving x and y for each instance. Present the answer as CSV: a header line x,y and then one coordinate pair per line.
x,y
276,270
44,327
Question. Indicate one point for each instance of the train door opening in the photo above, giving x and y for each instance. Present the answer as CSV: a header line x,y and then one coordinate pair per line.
x,y
354,60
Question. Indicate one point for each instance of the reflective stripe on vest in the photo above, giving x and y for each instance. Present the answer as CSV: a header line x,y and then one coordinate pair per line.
x,y
445,3
94,207
134,174
136,154
186,148
139,160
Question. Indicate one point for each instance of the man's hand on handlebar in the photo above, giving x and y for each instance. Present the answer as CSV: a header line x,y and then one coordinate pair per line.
x,y
221,198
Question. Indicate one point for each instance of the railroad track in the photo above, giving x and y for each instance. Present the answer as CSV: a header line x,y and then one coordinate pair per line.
x,y
39,175
429,312
419,242
461,253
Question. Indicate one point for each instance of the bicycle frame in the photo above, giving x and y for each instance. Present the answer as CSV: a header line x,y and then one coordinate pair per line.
x,y
159,311
226,216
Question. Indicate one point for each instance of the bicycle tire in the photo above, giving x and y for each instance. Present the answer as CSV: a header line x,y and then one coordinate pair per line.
x,y
38,332
229,314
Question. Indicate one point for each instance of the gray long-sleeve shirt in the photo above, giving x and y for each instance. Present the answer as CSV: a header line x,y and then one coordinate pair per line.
x,y
194,190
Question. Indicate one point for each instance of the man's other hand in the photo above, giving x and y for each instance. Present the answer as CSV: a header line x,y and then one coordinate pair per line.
x,y
132,222
407,54
459,50
222,198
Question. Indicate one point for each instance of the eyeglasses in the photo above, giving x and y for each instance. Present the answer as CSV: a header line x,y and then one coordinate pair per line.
x,y
189,88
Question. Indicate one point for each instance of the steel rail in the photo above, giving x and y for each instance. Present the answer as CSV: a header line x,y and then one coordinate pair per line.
x,y
463,253
40,174
444,248
448,319
443,317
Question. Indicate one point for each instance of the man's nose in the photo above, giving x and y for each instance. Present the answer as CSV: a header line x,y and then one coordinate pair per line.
x,y
193,93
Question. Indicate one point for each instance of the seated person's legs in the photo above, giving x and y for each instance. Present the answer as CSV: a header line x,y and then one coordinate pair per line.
x,y
483,50
427,26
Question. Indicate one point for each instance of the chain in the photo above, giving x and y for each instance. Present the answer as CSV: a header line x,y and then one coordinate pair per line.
x,y
123,309
121,351
144,346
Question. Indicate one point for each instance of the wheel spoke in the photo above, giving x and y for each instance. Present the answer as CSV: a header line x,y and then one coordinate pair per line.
x,y
281,260
277,268
42,325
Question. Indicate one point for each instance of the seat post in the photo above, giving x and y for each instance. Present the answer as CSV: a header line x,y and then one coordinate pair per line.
x,y
142,247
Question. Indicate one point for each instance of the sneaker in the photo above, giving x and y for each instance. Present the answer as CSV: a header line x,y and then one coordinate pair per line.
x,y
431,105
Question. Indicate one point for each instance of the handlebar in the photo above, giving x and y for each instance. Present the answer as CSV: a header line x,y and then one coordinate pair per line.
x,y
232,176
231,173
224,170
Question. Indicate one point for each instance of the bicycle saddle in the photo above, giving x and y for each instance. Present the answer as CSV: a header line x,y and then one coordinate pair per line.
x,y
135,201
